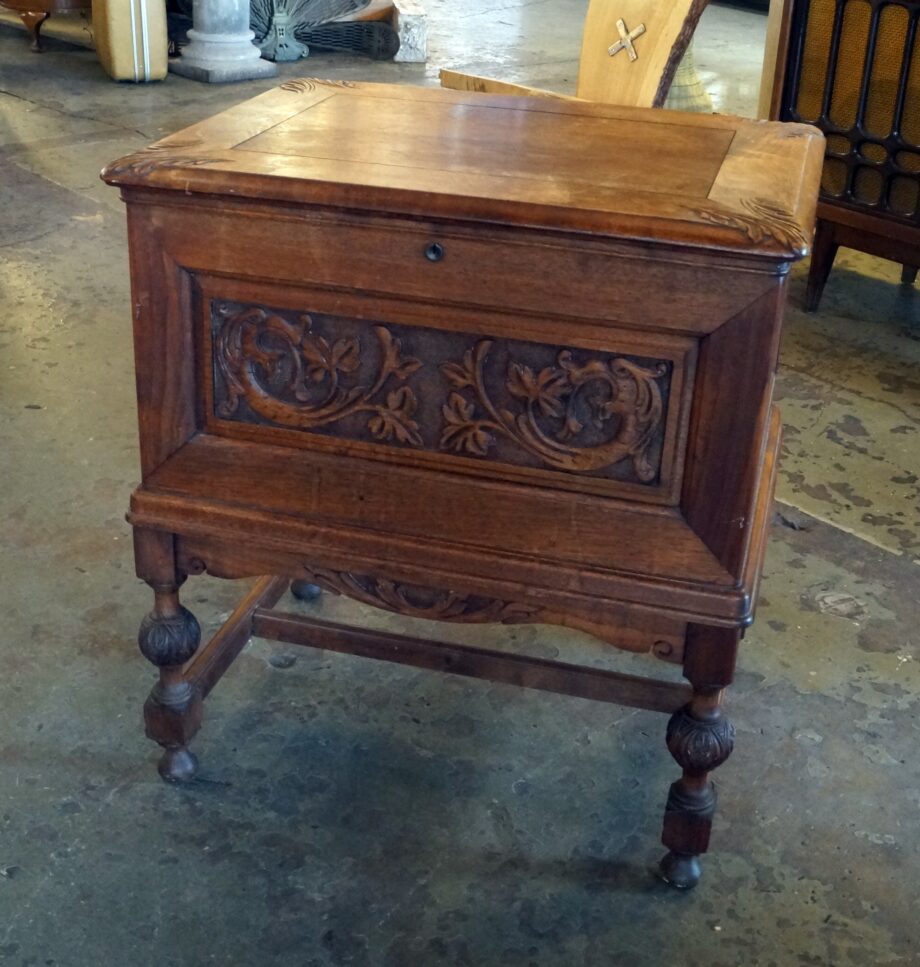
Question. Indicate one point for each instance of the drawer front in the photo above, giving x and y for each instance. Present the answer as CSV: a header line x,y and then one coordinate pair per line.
x,y
572,407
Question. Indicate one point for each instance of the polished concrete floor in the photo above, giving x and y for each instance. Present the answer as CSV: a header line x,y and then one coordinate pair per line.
x,y
349,813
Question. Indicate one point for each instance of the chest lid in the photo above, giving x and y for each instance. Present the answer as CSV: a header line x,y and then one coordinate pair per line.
x,y
705,181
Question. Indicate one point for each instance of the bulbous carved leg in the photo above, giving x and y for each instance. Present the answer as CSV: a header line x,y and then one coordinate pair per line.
x,y
700,738
305,591
168,638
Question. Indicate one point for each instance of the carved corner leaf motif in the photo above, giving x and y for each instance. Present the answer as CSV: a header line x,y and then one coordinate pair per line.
x,y
762,221
159,157
291,376
619,398
413,601
304,85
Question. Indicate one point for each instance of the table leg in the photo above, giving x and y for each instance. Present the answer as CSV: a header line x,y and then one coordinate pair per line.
x,y
823,254
168,638
700,738
33,21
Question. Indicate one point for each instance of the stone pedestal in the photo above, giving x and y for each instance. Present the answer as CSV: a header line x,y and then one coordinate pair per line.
x,y
411,24
220,45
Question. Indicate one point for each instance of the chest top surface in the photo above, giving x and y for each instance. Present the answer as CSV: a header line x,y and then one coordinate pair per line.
x,y
708,181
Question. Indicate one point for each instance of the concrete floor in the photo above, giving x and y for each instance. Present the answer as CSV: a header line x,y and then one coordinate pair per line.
x,y
356,814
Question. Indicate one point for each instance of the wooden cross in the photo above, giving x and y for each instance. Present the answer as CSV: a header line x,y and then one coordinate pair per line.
x,y
626,40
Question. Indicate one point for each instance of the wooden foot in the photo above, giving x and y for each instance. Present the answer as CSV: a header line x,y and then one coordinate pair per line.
x,y
700,738
178,765
305,591
33,22
908,274
168,638
681,872
822,261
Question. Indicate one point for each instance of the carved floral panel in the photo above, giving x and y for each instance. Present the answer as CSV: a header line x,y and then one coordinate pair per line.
x,y
519,403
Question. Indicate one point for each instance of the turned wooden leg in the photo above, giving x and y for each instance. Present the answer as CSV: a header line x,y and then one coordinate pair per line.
x,y
700,738
908,274
305,591
822,260
168,638
33,22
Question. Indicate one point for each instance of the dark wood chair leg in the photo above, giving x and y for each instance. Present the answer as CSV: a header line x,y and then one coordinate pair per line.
x,y
168,638
822,261
33,22
305,591
908,274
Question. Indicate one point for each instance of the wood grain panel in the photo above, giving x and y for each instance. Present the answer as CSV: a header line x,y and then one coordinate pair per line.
x,y
163,344
569,277
729,429
535,162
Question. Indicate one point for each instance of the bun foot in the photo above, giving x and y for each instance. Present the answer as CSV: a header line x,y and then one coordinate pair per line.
x,y
178,765
305,591
680,871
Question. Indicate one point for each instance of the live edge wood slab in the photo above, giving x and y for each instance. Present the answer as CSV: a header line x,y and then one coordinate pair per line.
x,y
472,358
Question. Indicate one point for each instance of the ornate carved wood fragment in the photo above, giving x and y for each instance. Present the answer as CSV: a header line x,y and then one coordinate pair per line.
x,y
172,154
509,401
290,375
418,602
762,220
305,85
614,392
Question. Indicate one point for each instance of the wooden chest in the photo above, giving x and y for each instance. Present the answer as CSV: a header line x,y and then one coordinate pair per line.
x,y
467,357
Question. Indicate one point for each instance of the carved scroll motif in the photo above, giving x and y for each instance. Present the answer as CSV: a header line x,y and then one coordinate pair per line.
x,y
291,376
418,602
553,407
511,402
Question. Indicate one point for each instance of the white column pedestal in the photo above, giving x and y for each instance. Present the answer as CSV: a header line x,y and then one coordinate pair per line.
x,y
220,45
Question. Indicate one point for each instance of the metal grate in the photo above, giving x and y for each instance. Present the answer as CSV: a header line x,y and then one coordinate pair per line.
x,y
854,72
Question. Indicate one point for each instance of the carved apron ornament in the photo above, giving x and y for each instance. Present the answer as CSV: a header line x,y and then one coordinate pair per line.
x,y
626,40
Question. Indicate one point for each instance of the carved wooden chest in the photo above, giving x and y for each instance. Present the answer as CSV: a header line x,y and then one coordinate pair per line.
x,y
471,358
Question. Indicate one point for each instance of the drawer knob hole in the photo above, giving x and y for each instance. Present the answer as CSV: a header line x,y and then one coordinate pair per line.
x,y
434,252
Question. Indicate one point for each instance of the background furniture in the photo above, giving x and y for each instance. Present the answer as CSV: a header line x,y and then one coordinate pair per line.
x,y
35,12
538,391
852,68
630,54
131,39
